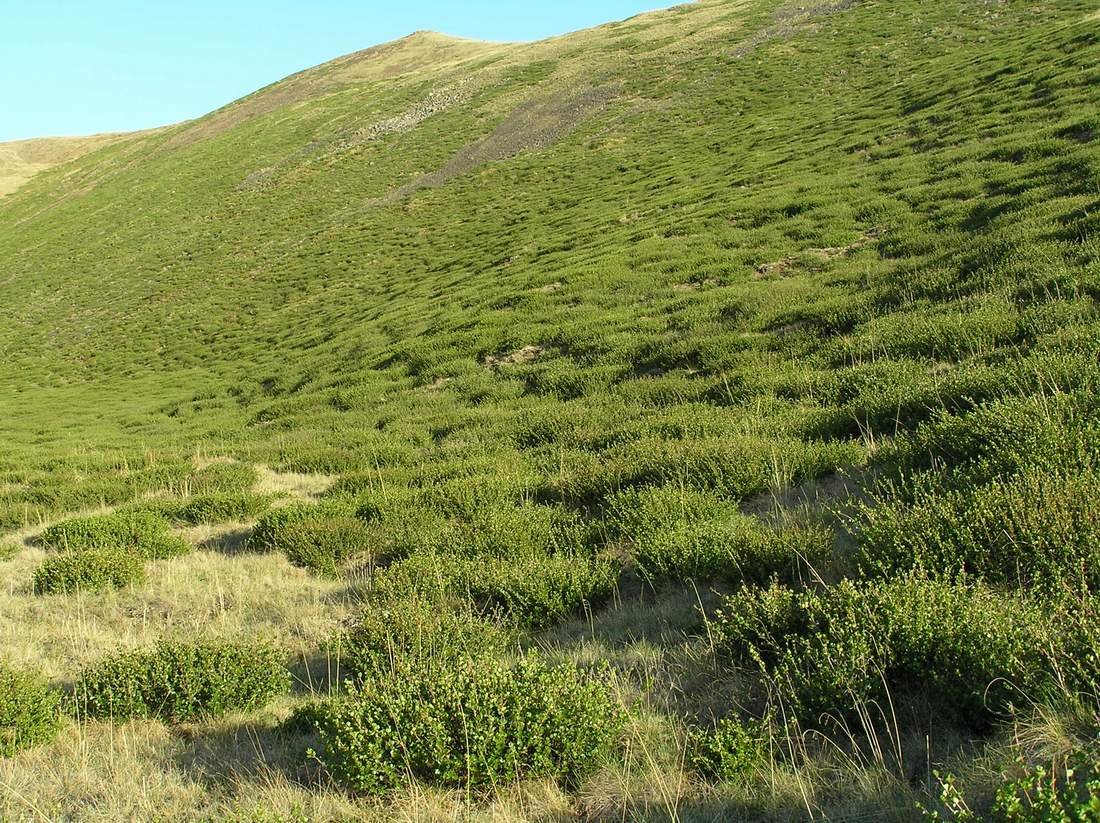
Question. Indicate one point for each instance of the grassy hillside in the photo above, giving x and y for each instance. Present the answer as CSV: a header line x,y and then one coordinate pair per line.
x,y
21,160
693,418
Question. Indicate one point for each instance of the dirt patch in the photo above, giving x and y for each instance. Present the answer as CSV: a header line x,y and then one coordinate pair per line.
x,y
437,102
549,288
534,125
779,267
528,354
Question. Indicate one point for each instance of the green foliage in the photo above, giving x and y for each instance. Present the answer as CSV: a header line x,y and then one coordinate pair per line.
x,y
146,534
394,636
9,551
221,479
533,590
969,651
1066,791
730,750
219,507
324,545
180,682
29,711
89,570
271,532
542,325
680,534
476,728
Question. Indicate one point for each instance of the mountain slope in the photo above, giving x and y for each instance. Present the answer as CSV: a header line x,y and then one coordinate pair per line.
x,y
529,317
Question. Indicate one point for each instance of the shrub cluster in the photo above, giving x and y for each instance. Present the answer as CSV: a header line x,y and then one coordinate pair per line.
x,y
322,538
221,478
88,570
534,590
178,681
729,750
413,633
143,533
968,650
679,534
8,551
476,728
216,507
1066,791
1039,530
29,711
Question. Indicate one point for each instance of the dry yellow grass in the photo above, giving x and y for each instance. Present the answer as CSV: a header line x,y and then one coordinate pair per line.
x,y
23,159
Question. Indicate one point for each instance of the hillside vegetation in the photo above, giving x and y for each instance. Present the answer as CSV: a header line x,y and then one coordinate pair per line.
x,y
695,418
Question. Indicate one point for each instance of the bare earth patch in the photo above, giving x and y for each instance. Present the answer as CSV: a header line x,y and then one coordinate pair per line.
x,y
823,255
528,354
535,124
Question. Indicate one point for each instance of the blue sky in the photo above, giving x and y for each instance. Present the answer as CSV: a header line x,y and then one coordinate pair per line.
x,y
70,67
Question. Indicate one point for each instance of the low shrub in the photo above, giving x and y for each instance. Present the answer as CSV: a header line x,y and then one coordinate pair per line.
x,y
412,632
89,570
969,651
29,711
269,531
1038,530
222,478
475,728
681,535
9,551
323,545
177,681
534,590
729,750
1066,791
223,507
145,533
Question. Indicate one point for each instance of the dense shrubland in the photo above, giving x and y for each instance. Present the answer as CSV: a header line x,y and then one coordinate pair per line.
x,y
735,457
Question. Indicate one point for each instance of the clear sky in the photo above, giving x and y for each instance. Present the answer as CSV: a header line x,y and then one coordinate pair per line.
x,y
72,67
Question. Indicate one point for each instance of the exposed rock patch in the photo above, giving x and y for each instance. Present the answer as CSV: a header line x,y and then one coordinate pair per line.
x,y
528,354
534,125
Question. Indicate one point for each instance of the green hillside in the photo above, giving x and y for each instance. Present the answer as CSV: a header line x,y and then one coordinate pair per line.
x,y
693,418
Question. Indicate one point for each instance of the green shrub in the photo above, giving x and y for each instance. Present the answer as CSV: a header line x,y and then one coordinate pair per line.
x,y
971,652
476,728
1066,791
89,570
729,750
29,711
412,632
221,478
223,507
9,551
1040,529
146,533
179,682
534,590
268,536
681,534
323,545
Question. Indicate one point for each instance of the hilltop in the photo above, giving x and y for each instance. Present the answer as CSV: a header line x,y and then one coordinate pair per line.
x,y
690,418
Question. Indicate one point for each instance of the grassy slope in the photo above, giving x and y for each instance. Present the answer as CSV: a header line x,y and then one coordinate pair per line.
x,y
20,160
739,245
